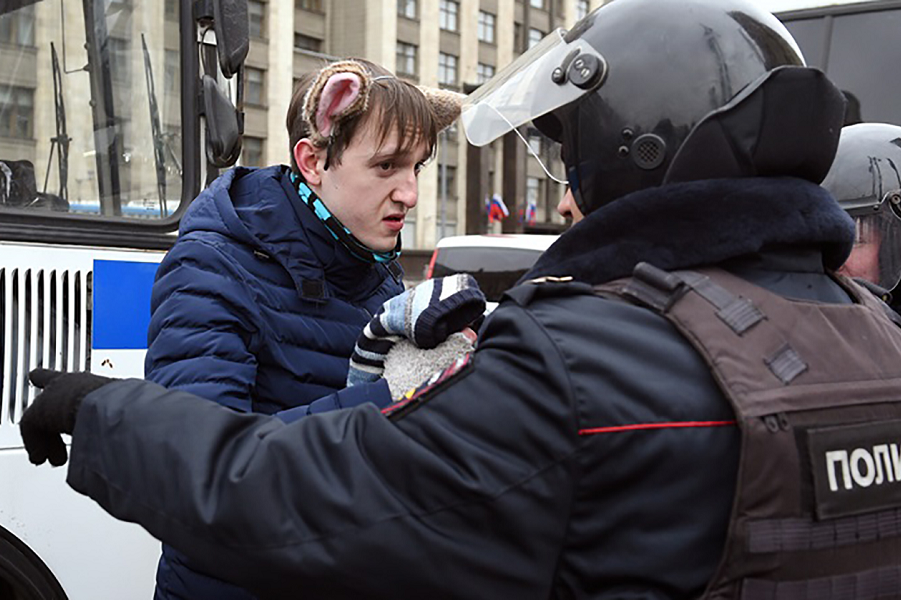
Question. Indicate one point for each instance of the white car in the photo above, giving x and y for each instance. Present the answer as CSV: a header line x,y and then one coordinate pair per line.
x,y
497,261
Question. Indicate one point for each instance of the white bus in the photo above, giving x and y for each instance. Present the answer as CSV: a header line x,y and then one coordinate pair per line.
x,y
101,115
856,45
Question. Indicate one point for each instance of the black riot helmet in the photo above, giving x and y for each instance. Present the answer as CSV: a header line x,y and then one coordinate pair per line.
x,y
646,92
866,180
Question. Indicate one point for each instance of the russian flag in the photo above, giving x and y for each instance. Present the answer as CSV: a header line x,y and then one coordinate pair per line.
x,y
497,210
531,213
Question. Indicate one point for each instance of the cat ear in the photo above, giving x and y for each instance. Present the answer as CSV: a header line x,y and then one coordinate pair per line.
x,y
339,91
445,105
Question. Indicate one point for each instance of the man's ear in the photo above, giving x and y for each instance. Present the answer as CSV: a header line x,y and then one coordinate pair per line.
x,y
309,161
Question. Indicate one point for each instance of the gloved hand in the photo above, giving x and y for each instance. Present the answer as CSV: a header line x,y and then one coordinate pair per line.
x,y
426,315
406,366
53,412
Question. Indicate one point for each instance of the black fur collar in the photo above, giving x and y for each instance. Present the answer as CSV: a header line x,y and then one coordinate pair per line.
x,y
700,223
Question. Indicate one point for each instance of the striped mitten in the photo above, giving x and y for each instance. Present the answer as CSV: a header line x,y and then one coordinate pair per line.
x,y
426,315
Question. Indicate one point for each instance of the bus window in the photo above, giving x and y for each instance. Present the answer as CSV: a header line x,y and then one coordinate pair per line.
x,y
811,37
855,44
90,108
864,51
99,158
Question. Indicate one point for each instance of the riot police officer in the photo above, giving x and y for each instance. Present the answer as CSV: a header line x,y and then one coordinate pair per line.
x,y
866,180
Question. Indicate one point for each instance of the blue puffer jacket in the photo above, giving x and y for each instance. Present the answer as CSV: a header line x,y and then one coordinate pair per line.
x,y
257,307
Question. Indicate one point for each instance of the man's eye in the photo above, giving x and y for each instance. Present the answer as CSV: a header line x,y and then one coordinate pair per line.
x,y
386,166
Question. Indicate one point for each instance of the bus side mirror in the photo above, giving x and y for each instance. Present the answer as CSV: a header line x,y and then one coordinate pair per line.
x,y
223,144
230,23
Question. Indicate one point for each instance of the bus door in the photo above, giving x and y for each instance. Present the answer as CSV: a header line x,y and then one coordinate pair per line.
x,y
104,141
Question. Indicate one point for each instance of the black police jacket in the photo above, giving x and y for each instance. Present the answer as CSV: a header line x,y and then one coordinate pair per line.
x,y
584,451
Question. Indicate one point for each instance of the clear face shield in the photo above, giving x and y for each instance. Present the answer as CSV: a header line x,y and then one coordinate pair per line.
x,y
553,73
876,255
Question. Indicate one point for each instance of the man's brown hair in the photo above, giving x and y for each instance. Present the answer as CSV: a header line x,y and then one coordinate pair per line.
x,y
397,105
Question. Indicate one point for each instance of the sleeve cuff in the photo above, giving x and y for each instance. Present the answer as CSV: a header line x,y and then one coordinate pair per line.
x,y
376,393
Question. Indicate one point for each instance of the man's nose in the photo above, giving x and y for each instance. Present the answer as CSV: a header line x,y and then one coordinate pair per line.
x,y
407,190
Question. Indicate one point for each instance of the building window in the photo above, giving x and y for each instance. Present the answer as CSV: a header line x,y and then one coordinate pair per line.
x,y
407,8
533,200
17,112
449,229
447,16
447,69
255,89
447,201
484,72
252,152
171,9
450,133
114,6
535,143
408,233
306,42
486,27
451,187
406,59
256,13
582,9
120,60
17,27
171,73
535,36
537,3
311,5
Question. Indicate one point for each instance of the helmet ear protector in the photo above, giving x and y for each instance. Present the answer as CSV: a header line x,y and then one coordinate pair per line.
x,y
746,137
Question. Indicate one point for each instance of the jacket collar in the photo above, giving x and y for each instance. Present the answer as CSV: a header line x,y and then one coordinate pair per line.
x,y
700,223
261,208
346,275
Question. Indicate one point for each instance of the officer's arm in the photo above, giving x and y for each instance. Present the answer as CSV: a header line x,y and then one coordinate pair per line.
x,y
468,483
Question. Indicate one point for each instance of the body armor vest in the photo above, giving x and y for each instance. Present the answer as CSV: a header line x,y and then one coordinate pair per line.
x,y
816,390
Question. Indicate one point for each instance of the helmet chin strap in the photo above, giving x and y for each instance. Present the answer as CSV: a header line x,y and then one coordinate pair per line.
x,y
338,230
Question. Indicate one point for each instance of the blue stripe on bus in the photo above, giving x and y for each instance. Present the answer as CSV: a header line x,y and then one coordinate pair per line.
x,y
122,304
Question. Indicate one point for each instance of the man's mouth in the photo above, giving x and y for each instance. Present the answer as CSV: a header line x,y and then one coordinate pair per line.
x,y
395,222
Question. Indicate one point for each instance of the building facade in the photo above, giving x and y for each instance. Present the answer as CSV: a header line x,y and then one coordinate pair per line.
x,y
454,44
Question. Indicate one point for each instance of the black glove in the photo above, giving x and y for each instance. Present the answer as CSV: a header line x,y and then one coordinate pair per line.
x,y
53,412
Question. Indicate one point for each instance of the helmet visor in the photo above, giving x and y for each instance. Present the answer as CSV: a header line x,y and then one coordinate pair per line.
x,y
876,255
525,89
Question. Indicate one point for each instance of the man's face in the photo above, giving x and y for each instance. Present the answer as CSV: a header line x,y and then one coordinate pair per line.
x,y
864,259
863,262
372,189
567,207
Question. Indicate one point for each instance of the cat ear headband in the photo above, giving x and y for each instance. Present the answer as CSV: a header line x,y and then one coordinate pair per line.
x,y
341,90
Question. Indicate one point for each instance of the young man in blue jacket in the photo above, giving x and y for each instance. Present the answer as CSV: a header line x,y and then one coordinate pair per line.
x,y
683,401
276,270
